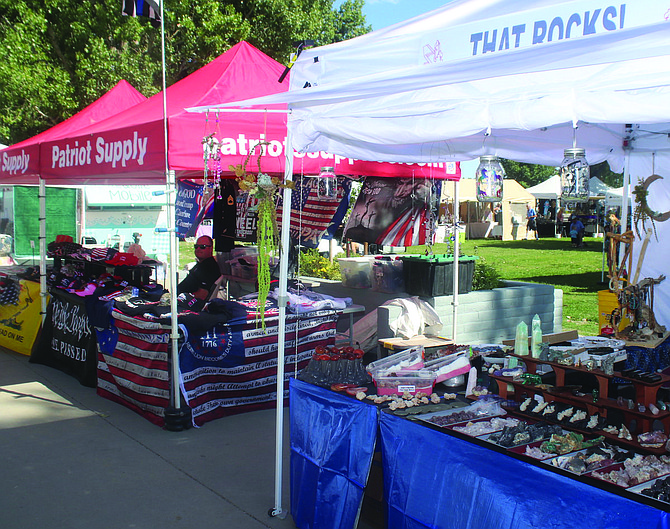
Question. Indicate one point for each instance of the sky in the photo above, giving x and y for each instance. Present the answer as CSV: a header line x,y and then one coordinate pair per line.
x,y
382,13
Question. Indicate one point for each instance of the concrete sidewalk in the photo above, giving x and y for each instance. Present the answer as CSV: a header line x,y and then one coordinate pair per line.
x,y
72,459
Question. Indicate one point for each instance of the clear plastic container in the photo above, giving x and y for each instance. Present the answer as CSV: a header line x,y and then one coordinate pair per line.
x,y
387,275
405,381
243,251
243,271
356,271
449,366
408,360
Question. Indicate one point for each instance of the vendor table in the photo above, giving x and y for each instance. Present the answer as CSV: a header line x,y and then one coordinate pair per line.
x,y
351,310
68,341
226,369
431,478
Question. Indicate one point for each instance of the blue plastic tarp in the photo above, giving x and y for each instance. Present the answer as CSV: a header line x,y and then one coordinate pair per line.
x,y
432,479
332,444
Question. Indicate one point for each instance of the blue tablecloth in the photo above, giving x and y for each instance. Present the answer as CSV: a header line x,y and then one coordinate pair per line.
x,y
431,479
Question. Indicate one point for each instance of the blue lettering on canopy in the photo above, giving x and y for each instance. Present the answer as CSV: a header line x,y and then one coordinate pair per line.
x,y
577,24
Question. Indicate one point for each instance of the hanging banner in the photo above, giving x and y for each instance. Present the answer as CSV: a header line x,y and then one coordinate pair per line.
x,y
311,215
247,217
394,212
67,341
191,206
20,318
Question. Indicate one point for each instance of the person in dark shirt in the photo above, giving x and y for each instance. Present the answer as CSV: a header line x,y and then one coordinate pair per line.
x,y
204,274
531,217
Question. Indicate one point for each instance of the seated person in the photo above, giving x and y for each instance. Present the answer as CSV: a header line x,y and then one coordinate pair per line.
x,y
204,274
577,232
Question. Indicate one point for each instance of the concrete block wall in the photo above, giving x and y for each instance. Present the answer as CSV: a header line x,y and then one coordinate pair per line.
x,y
490,316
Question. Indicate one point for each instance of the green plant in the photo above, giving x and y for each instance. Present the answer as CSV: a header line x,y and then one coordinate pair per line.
x,y
486,276
313,264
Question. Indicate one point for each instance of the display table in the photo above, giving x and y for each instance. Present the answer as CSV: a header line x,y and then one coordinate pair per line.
x,y
68,341
432,478
226,369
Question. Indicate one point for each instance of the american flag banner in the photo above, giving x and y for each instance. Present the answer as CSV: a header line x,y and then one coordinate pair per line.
x,y
134,370
232,368
143,8
310,214
228,369
395,211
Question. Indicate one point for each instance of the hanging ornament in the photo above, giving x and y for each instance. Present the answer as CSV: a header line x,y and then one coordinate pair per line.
x,y
489,177
575,174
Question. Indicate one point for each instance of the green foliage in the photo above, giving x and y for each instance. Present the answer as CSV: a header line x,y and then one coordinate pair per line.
x,y
602,171
486,276
527,174
313,264
57,56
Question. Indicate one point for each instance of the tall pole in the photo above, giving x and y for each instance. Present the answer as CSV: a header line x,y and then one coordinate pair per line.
x,y
42,196
283,301
457,250
175,393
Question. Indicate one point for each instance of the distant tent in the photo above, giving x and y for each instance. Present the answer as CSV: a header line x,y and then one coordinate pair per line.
x,y
549,189
473,212
598,188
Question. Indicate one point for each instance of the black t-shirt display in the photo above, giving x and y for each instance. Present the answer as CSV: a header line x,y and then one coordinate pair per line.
x,y
224,223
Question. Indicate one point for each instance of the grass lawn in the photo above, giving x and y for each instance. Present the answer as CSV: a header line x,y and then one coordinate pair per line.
x,y
577,271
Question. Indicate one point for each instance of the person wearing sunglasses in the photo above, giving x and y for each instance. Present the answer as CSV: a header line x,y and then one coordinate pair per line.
x,y
204,274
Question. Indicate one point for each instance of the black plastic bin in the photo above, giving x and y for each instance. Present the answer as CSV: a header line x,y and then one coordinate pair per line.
x,y
432,276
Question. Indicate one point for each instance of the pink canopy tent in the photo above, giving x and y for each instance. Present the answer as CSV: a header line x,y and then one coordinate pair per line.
x,y
129,147
20,163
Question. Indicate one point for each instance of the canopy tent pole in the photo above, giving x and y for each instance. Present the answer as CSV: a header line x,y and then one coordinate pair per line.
x,y
43,248
457,249
175,393
283,301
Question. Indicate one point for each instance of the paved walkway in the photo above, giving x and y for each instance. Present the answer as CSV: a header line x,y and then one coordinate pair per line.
x,y
72,459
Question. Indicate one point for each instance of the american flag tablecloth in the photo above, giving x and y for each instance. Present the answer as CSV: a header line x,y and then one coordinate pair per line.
x,y
133,365
229,369
233,368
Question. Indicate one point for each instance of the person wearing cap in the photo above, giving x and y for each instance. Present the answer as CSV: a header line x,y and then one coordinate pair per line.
x,y
204,274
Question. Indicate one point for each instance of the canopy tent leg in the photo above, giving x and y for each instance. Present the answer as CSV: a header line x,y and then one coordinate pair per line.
x,y
283,299
624,200
43,248
457,249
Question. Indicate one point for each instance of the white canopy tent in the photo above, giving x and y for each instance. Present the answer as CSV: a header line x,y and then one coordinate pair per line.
x,y
515,78
549,189
520,79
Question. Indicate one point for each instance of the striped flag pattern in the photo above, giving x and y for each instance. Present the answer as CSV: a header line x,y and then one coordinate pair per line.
x,y
136,372
143,8
310,214
215,388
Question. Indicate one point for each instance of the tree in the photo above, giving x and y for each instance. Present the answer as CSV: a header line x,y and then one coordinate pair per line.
x,y
57,56
527,174
603,171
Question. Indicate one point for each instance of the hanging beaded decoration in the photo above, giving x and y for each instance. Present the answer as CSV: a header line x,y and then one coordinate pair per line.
x,y
265,188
